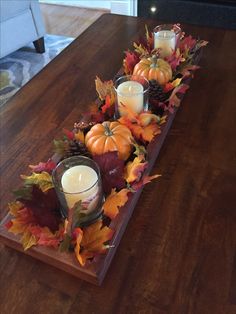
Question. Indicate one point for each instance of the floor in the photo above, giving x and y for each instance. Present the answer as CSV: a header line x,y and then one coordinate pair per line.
x,y
68,21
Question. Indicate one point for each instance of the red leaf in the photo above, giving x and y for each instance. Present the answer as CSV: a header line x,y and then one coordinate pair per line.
x,y
131,59
44,207
69,134
112,169
187,43
43,166
146,179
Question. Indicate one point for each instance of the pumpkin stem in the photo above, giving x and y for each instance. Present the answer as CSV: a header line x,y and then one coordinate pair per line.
x,y
108,131
154,62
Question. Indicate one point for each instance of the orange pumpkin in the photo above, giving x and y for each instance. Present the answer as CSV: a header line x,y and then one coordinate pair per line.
x,y
154,69
109,137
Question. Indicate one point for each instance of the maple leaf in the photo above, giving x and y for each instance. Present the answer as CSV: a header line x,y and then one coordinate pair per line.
x,y
43,180
175,59
112,169
105,88
28,240
134,169
114,201
174,101
69,134
129,62
186,44
95,236
44,236
43,166
135,186
45,208
146,133
109,107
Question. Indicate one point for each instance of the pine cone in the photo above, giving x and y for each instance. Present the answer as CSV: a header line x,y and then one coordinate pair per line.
x,y
77,148
156,92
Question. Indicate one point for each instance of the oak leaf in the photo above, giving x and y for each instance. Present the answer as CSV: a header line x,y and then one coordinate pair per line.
x,y
115,201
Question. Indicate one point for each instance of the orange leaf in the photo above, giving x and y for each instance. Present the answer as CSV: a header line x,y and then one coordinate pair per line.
x,y
146,179
79,236
134,169
114,201
94,237
79,136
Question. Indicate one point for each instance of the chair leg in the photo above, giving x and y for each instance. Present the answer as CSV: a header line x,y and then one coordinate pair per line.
x,y
39,45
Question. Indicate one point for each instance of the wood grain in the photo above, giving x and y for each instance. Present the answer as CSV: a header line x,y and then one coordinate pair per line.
x,y
178,252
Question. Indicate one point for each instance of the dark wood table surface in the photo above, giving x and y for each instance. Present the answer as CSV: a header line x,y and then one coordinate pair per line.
x,y
177,254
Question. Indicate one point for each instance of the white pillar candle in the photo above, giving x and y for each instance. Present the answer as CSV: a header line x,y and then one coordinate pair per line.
x,y
166,41
130,94
80,183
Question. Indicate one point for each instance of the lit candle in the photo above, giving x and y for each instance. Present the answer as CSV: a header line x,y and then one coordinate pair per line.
x,y
80,183
165,40
130,94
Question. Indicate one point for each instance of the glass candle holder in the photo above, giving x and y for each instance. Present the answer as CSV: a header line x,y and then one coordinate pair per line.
x,y
166,37
131,92
78,179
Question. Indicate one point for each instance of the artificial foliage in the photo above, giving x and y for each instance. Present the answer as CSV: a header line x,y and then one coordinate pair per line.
x,y
35,215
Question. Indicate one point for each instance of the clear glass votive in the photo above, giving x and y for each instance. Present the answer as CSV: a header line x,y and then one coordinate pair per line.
x,y
131,92
166,37
78,179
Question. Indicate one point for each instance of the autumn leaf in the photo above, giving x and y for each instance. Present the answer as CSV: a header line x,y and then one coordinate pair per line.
x,y
135,186
134,169
174,101
43,166
109,107
114,201
45,236
28,240
139,149
79,235
69,134
44,207
79,136
43,180
95,236
112,169
105,88
129,62
145,134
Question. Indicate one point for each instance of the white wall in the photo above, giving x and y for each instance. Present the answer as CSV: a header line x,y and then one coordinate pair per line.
x,y
124,7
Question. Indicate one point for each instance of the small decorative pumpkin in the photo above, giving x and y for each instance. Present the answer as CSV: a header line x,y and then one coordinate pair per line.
x,y
109,137
154,69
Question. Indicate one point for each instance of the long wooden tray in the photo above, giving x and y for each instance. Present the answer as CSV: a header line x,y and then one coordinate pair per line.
x,y
96,271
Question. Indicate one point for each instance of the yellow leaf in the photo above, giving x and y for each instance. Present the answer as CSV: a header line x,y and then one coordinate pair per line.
x,y
94,237
43,180
28,240
114,201
134,169
14,207
79,136
176,82
17,226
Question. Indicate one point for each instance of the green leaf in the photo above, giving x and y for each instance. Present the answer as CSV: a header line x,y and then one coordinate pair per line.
x,y
60,147
23,193
65,244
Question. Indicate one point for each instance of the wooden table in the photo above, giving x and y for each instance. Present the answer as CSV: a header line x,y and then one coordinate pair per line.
x,y
178,252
